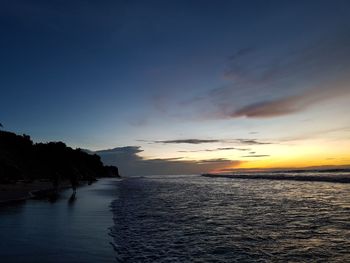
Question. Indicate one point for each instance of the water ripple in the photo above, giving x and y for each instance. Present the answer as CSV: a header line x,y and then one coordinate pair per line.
x,y
194,219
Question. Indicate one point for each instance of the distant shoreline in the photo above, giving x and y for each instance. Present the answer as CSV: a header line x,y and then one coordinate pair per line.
x,y
41,170
285,177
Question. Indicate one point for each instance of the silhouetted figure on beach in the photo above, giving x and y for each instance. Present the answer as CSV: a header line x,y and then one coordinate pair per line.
x,y
72,199
56,182
74,182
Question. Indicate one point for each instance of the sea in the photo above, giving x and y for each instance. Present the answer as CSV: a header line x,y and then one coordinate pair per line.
x,y
187,218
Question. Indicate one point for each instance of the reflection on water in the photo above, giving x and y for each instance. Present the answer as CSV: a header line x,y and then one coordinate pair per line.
x,y
72,199
196,219
73,228
182,219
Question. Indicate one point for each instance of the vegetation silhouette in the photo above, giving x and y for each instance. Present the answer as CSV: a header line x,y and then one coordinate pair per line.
x,y
21,159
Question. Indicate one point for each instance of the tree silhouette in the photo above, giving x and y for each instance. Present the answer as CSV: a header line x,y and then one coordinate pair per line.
x,y
22,159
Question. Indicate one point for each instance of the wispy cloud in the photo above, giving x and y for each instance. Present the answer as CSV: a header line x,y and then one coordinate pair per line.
x,y
232,148
217,149
188,141
271,108
216,161
286,82
204,141
251,142
288,105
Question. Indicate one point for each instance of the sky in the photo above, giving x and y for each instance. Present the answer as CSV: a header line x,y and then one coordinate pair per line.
x,y
181,87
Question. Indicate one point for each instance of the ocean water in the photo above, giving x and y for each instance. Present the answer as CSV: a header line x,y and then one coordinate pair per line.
x,y
183,219
197,219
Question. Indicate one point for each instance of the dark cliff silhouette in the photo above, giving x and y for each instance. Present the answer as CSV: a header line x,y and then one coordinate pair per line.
x,y
21,159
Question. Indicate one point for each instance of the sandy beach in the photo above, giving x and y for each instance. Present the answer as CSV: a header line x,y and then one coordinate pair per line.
x,y
66,230
21,191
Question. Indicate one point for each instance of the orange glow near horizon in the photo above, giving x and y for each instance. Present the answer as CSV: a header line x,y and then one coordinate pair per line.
x,y
302,156
317,152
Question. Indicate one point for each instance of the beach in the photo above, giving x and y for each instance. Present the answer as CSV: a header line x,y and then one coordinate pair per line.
x,y
188,218
66,230
21,191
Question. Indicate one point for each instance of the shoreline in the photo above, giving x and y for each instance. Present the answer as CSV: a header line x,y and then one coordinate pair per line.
x,y
285,177
67,229
20,192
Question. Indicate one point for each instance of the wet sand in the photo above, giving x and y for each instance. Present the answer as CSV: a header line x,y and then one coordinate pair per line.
x,y
66,230
22,191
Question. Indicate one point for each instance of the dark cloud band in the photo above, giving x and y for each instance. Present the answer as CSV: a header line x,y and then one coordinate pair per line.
x,y
130,163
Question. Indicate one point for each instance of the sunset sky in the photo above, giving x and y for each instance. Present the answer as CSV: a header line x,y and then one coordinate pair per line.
x,y
166,87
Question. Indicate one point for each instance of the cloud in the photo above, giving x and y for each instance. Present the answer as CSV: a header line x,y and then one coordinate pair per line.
x,y
251,142
271,108
217,149
128,150
308,60
189,141
288,105
219,160
232,148
131,164
266,84
256,155
202,141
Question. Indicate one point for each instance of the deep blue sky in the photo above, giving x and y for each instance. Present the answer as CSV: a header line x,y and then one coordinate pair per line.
x,y
102,74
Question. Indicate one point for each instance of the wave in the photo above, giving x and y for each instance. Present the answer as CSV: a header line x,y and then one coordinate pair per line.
x,y
335,177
